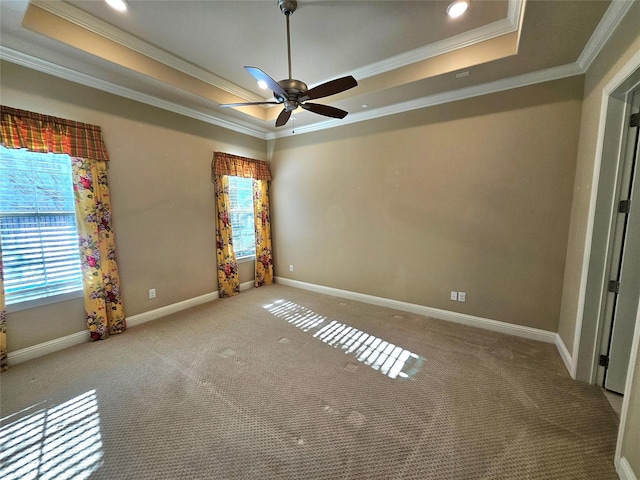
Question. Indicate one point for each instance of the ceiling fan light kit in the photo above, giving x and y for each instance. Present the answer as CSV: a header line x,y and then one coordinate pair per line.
x,y
292,93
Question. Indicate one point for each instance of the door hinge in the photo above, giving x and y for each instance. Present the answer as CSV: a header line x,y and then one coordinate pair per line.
x,y
635,120
614,286
604,361
624,206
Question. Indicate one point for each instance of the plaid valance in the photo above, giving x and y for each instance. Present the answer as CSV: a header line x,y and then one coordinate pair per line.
x,y
236,166
42,133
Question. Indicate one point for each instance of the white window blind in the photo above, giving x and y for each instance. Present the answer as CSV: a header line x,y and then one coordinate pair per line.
x,y
242,223
40,253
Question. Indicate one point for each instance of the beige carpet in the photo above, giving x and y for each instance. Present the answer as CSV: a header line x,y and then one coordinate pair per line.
x,y
283,383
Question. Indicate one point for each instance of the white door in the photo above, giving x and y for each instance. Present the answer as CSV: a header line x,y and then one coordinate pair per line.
x,y
626,275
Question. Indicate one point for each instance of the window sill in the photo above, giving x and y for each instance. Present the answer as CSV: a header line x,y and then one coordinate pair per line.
x,y
246,259
41,302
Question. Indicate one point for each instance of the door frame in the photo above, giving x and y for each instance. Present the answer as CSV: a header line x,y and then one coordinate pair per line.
x,y
602,205
625,239
591,296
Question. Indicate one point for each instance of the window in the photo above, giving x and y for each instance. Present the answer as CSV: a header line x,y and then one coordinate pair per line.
x,y
40,251
242,223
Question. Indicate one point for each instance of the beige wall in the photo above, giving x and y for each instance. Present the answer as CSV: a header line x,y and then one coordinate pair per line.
x,y
162,197
469,196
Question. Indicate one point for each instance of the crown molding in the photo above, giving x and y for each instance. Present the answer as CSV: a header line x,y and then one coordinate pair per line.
x,y
44,66
603,32
84,20
518,81
65,73
515,12
466,39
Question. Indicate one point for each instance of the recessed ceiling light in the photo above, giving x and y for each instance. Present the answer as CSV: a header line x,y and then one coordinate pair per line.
x,y
119,5
457,8
262,84
364,105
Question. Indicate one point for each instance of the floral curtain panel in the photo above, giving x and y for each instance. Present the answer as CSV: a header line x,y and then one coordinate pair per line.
x,y
226,164
262,218
228,278
84,143
100,279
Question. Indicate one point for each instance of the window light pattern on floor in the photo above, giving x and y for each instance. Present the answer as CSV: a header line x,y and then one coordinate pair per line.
x,y
58,442
385,357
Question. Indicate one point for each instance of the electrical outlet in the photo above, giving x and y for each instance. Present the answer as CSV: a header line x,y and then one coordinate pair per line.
x,y
291,268
454,296
152,293
462,296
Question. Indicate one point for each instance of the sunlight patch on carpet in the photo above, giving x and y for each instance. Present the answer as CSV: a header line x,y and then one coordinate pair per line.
x,y
382,356
62,441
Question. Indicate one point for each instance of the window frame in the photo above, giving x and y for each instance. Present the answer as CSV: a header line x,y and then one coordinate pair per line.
x,y
47,297
44,301
252,256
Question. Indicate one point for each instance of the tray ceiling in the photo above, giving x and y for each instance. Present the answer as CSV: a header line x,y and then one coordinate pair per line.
x,y
188,56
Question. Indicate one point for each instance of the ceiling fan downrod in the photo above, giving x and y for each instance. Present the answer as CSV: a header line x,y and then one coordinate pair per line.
x,y
288,7
291,85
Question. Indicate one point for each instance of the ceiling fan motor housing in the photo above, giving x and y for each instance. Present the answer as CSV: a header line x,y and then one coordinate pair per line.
x,y
295,90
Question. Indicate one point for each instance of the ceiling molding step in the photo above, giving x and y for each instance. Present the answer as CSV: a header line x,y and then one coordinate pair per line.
x,y
82,19
603,32
65,73
466,39
523,80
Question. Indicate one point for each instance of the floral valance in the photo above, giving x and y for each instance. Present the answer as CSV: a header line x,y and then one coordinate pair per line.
x,y
236,166
42,133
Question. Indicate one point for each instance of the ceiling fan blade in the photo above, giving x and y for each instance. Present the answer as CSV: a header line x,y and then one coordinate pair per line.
x,y
225,105
259,75
325,110
331,88
283,117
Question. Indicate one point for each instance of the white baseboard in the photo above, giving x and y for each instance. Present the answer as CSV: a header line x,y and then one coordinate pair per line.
x,y
61,343
565,355
479,322
52,346
46,348
178,307
145,317
625,472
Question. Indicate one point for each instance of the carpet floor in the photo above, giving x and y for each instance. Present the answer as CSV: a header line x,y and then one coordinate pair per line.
x,y
282,383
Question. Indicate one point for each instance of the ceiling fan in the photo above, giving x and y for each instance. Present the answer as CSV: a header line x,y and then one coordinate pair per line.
x,y
292,93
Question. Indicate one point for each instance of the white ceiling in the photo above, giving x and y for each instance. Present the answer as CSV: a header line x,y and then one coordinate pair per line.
x,y
188,56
